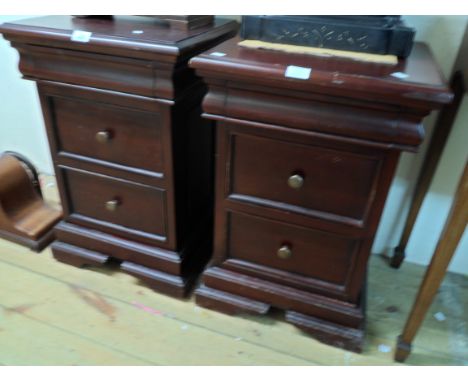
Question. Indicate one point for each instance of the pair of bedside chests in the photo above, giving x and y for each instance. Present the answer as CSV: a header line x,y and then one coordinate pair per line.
x,y
180,153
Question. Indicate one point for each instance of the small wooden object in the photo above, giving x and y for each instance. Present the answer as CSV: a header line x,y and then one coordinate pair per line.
x,y
24,217
449,239
186,22
180,22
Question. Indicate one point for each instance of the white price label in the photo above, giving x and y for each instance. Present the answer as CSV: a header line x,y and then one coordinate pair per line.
x,y
400,75
81,36
298,72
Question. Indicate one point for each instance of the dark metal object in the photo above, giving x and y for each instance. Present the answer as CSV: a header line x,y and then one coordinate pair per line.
x,y
369,34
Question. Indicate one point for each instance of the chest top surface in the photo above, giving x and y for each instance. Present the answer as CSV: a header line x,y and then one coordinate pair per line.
x,y
414,79
133,36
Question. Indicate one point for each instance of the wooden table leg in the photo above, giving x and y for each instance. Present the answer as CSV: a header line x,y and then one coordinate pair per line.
x,y
448,241
439,138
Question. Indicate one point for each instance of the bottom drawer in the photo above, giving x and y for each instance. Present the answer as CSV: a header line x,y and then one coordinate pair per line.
x,y
120,206
298,250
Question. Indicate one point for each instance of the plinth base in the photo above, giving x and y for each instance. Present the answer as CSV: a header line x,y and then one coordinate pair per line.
x,y
330,321
167,272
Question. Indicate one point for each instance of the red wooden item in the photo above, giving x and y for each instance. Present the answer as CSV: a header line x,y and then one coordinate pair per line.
x,y
302,174
132,155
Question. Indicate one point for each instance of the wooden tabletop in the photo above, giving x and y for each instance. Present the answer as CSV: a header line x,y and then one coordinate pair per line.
x,y
416,78
139,35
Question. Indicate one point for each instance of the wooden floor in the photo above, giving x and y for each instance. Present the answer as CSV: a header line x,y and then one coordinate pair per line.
x,y
54,314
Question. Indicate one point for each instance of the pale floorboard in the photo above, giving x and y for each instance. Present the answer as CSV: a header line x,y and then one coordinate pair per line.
x,y
54,314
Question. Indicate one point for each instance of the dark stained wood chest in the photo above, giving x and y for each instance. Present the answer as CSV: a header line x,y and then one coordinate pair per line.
x,y
303,168
132,156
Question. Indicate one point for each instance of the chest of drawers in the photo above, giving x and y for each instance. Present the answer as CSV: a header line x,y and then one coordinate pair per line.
x,y
302,174
132,156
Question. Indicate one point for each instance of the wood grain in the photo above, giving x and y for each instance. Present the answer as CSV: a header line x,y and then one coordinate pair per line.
x,y
132,155
25,217
303,247
445,249
84,334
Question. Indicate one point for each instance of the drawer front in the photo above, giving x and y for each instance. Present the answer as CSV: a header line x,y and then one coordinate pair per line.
x,y
308,179
290,248
110,133
115,203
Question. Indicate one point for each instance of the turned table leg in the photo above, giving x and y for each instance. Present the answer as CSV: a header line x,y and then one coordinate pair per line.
x,y
448,241
442,130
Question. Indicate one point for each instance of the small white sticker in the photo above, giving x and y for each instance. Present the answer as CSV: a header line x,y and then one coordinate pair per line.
x,y
439,316
385,348
138,32
81,36
298,72
400,75
218,54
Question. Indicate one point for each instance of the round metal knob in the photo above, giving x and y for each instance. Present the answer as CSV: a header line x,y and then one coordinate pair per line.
x,y
284,252
295,181
112,205
103,136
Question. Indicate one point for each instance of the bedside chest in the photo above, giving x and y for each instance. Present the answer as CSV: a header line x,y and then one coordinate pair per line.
x,y
132,156
303,170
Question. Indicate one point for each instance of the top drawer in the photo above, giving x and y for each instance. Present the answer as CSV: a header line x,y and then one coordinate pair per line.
x,y
311,180
108,132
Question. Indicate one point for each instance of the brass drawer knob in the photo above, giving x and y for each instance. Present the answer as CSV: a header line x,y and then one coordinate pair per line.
x,y
284,252
112,205
295,181
103,136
